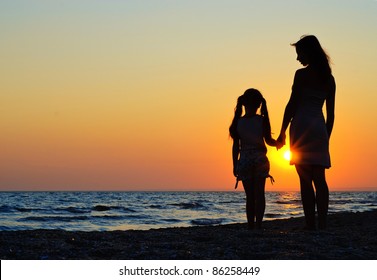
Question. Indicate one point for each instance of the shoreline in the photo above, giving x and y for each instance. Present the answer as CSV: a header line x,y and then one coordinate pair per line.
x,y
349,236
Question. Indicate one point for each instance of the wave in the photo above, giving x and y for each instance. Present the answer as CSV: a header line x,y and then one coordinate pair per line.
x,y
157,206
171,220
21,209
73,210
54,218
342,201
273,216
6,208
110,217
9,209
206,222
232,201
293,201
189,205
103,208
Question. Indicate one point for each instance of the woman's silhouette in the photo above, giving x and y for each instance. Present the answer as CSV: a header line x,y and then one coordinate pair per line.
x,y
309,131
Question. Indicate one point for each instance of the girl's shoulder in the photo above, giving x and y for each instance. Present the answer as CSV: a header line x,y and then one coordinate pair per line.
x,y
256,116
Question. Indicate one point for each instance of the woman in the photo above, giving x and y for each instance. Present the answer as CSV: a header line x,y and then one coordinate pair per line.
x,y
309,131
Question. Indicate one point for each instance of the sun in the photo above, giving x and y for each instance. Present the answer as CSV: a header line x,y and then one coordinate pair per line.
x,y
287,155
280,157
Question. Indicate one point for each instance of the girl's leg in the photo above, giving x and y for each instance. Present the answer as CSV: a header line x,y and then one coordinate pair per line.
x,y
260,201
250,202
322,195
307,194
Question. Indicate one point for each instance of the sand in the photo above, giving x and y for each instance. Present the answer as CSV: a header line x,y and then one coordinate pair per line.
x,y
349,236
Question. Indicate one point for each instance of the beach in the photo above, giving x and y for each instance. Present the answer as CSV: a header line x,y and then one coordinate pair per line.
x,y
349,236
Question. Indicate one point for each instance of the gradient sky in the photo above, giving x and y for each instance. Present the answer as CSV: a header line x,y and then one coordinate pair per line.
x,y
139,95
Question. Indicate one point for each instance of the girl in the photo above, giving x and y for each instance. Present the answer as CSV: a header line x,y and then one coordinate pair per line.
x,y
250,164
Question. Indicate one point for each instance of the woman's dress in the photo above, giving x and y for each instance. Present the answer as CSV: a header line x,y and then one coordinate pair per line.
x,y
309,140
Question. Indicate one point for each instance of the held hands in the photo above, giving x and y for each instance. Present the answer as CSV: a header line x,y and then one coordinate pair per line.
x,y
280,142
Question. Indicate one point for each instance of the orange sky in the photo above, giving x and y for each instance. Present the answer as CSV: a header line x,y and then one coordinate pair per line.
x,y
140,95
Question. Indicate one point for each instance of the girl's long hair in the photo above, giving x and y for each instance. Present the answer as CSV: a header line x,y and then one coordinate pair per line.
x,y
251,98
317,57
237,115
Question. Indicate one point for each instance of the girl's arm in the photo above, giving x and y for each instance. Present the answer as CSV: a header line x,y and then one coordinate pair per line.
x,y
267,133
235,155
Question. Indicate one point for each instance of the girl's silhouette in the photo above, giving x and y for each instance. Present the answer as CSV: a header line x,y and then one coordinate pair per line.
x,y
250,164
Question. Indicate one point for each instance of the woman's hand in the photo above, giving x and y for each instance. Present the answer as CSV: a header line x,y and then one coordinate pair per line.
x,y
280,142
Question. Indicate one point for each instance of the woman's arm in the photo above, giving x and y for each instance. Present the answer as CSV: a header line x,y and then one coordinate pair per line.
x,y
235,155
330,109
291,107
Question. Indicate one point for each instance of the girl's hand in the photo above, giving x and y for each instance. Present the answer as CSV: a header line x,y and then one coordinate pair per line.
x,y
235,172
280,142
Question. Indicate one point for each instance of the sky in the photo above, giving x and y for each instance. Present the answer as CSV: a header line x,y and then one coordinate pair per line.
x,y
139,95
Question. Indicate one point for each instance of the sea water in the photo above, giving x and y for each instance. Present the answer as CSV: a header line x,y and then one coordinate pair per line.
x,y
107,211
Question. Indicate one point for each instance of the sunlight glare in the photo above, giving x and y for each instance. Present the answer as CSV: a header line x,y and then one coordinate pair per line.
x,y
287,155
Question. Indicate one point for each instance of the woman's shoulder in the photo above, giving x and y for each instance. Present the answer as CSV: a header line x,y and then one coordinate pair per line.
x,y
301,76
301,71
332,80
306,77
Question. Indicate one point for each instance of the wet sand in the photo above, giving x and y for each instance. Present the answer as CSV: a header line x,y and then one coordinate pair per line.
x,y
349,236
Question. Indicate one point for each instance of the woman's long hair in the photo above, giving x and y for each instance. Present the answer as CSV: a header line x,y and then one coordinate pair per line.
x,y
253,99
317,57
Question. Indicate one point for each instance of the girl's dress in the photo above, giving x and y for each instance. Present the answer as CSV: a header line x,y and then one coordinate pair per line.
x,y
253,161
309,140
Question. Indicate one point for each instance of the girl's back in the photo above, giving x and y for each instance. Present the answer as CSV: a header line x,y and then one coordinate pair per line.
x,y
250,131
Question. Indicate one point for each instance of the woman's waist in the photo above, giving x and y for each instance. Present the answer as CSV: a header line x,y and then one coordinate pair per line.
x,y
308,114
307,108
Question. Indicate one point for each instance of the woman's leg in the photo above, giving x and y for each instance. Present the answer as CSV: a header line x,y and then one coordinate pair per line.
x,y
322,195
307,194
250,202
260,201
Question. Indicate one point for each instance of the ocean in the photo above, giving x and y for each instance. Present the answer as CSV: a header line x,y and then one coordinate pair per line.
x,y
108,211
